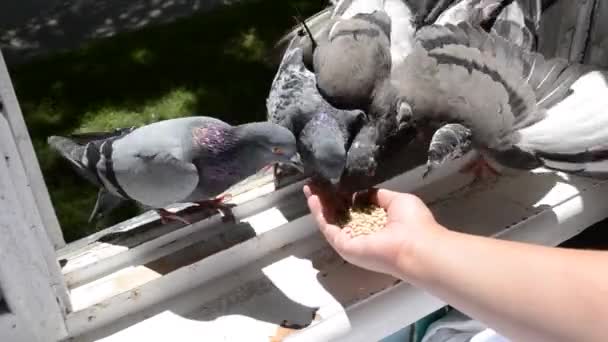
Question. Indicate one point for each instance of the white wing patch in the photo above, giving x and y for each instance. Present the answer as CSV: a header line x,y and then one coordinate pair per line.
x,y
362,6
590,167
577,124
402,29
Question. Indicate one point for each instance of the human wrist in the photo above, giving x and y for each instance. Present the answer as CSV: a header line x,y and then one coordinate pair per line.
x,y
413,259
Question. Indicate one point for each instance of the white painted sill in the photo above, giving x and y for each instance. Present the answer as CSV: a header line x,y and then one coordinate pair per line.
x,y
184,284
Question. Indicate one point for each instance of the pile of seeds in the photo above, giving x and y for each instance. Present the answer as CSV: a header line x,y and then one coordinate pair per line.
x,y
363,220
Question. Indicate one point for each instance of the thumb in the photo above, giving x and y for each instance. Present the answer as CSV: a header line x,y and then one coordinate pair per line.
x,y
397,204
385,198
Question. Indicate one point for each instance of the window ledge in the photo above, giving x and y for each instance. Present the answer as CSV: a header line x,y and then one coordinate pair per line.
x,y
282,269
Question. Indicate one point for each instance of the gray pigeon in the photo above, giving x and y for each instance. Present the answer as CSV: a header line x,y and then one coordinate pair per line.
x,y
517,23
353,60
399,11
190,159
322,131
385,112
352,67
523,111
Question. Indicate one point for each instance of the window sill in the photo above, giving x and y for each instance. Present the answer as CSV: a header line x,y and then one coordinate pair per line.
x,y
280,269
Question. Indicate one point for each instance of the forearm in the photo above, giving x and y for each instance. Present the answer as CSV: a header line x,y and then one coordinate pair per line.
x,y
526,292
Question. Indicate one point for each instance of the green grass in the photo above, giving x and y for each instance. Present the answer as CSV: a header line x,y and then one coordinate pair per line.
x,y
209,64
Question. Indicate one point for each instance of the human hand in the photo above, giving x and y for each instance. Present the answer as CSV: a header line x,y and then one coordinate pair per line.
x,y
391,250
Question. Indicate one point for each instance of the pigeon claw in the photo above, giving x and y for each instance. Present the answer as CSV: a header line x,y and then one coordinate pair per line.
x,y
479,168
218,204
427,172
167,217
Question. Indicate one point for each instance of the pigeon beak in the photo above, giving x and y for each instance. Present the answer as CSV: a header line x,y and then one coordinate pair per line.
x,y
296,162
334,181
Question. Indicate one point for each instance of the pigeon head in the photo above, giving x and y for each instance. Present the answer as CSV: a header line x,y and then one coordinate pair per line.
x,y
362,155
351,61
321,144
330,159
266,143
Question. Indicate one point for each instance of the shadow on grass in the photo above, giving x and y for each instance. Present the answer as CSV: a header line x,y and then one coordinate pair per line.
x,y
209,64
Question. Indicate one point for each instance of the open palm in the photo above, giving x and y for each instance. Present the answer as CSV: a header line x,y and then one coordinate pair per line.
x,y
409,221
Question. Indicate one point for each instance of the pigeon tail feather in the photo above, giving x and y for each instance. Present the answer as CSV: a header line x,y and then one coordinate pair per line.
x,y
75,154
316,23
519,22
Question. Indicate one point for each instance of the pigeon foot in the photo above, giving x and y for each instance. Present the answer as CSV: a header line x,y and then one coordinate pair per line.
x,y
284,175
219,204
166,217
479,168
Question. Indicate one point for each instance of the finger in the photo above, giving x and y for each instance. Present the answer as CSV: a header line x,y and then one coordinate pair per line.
x,y
384,198
365,197
307,191
316,209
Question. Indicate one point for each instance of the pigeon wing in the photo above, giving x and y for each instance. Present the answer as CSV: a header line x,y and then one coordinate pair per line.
x,y
151,165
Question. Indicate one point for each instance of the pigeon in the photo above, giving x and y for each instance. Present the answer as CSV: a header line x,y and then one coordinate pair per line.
x,y
353,69
524,111
517,23
379,97
192,159
352,65
319,24
322,131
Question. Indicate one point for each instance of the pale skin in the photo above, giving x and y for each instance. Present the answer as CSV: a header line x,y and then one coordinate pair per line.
x,y
524,292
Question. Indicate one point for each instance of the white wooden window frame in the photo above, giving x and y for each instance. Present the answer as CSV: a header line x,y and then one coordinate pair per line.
x,y
30,278
108,290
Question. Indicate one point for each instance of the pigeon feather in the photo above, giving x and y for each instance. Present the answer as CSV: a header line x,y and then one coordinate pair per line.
x,y
523,110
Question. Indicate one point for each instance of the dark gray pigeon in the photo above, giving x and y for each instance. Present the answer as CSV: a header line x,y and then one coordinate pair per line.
x,y
523,111
322,131
190,159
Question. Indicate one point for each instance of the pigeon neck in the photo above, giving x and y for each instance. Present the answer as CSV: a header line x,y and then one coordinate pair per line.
x,y
247,147
384,99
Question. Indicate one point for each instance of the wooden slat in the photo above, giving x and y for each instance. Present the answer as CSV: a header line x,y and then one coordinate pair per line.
x,y
292,268
96,259
11,330
564,29
271,236
581,31
29,288
34,219
126,233
597,48
35,181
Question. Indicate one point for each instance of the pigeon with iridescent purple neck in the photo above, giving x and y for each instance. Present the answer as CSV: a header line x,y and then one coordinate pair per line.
x,y
191,159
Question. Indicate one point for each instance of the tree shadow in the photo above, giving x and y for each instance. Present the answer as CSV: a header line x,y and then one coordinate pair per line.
x,y
49,27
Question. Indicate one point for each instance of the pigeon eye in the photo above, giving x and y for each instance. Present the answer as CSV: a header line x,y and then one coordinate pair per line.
x,y
277,150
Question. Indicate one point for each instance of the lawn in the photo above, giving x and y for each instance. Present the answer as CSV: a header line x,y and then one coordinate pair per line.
x,y
210,64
